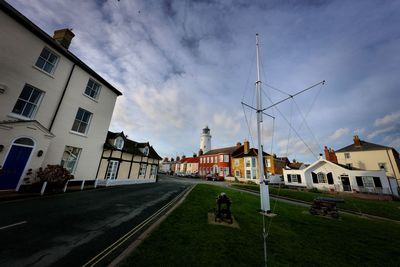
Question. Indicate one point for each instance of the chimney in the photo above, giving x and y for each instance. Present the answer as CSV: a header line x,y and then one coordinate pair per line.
x,y
357,141
200,152
64,37
330,155
238,144
246,147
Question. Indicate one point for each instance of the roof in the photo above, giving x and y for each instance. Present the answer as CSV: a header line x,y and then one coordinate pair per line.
x,y
29,25
295,165
365,146
253,152
192,160
130,146
225,150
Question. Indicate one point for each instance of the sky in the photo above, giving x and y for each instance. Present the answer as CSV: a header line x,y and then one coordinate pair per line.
x,y
182,65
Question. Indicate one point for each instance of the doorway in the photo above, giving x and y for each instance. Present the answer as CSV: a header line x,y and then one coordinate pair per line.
x,y
15,163
346,183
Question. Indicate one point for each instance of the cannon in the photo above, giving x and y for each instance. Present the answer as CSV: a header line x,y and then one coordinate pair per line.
x,y
222,211
325,206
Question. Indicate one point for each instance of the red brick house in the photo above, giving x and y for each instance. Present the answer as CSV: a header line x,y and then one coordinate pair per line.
x,y
217,161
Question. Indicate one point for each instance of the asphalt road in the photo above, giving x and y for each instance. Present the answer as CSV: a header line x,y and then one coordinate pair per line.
x,y
71,228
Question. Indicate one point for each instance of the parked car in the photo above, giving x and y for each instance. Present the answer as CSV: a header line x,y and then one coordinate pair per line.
x,y
214,177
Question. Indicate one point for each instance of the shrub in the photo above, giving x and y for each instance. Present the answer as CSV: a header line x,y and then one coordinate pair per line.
x,y
251,182
314,190
55,175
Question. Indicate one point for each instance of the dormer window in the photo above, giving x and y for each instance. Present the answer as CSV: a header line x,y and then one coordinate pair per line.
x,y
119,142
146,151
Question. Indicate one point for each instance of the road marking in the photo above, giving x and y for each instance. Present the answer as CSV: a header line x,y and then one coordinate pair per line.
x,y
96,259
12,225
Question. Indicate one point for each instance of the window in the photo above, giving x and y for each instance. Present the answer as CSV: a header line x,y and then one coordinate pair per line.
x,y
153,172
236,162
253,162
212,160
226,158
92,89
82,120
237,173
248,174
321,177
119,142
293,178
28,102
226,171
142,170
47,61
382,166
112,169
368,181
208,160
70,158
146,151
216,159
254,174
268,163
221,158
346,155
247,162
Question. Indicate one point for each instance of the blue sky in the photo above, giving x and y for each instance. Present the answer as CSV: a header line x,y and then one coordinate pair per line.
x,y
182,65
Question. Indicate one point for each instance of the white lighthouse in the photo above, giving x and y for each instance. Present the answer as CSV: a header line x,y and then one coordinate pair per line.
x,y
205,140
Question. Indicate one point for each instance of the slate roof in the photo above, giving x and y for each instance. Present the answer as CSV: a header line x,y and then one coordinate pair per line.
x,y
253,152
225,150
130,146
29,25
365,146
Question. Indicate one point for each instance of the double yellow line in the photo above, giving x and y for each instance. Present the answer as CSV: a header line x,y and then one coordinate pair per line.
x,y
99,257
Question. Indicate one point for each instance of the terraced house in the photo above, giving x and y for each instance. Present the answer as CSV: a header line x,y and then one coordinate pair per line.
x,y
124,161
54,109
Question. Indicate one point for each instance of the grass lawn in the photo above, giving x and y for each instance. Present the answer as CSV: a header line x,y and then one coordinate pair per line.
x,y
296,238
388,209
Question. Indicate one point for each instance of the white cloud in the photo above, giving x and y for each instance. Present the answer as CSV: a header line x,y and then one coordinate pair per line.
x,y
381,131
339,133
387,119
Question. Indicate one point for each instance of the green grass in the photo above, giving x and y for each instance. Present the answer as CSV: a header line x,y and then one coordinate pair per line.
x,y
296,238
383,208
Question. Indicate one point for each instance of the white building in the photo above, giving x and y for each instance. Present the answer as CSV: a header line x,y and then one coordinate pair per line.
x,y
54,109
327,176
205,140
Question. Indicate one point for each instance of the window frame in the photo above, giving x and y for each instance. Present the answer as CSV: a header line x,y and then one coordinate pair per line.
x,y
119,142
143,167
112,169
80,121
47,62
321,178
65,162
27,101
96,97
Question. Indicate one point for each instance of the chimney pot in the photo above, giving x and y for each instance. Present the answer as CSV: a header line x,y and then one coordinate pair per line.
x,y
357,140
64,37
246,147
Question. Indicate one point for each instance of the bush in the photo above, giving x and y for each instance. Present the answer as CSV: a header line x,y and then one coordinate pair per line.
x,y
56,175
251,182
314,190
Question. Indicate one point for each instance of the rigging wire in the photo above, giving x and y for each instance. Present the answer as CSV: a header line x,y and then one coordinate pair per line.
x,y
294,130
288,139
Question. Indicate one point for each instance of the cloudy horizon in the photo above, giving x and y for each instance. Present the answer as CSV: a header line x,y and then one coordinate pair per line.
x,y
182,65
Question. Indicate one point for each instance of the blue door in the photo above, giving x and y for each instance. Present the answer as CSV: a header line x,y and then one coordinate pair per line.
x,y
14,166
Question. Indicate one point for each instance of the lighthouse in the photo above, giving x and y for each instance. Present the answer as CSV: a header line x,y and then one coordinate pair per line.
x,y
205,140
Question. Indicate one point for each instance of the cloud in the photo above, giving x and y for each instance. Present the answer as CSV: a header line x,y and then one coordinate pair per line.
x,y
381,131
182,65
339,133
387,119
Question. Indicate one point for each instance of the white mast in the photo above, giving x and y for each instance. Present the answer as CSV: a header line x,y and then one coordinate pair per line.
x,y
264,192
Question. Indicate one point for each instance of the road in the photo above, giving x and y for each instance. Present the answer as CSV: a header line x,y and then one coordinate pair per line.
x,y
71,228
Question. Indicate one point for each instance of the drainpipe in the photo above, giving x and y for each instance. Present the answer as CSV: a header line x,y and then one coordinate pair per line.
x,y
62,98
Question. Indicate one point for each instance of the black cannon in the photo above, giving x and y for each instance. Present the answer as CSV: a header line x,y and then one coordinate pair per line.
x,y
325,206
223,210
